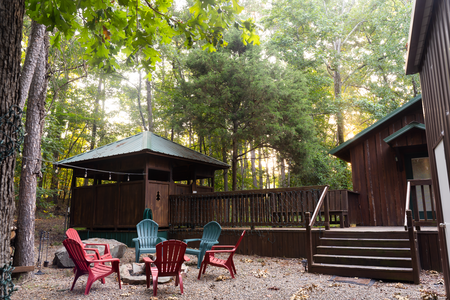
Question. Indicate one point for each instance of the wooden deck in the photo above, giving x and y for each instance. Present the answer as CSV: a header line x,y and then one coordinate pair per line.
x,y
291,241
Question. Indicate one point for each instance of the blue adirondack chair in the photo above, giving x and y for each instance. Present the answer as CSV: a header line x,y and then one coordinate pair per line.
x,y
147,231
211,233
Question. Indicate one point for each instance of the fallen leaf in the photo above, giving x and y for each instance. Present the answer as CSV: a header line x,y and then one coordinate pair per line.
x,y
221,278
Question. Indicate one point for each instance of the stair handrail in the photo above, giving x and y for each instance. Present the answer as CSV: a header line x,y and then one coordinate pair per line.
x,y
318,206
408,196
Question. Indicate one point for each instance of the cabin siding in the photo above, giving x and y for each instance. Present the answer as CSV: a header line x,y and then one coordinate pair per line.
x,y
435,81
380,180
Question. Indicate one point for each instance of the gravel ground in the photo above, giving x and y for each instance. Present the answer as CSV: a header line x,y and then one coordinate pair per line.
x,y
257,278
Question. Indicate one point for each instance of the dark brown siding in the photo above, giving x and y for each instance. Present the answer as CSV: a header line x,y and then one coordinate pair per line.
x,y
435,81
379,179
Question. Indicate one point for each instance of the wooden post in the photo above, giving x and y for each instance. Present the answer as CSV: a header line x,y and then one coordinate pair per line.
x,y
309,255
327,212
416,206
413,247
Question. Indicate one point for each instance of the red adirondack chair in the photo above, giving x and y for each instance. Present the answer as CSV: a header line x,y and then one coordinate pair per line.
x,y
83,265
169,258
228,264
73,234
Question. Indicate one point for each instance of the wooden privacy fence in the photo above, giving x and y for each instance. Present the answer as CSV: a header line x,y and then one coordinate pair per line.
x,y
420,199
271,207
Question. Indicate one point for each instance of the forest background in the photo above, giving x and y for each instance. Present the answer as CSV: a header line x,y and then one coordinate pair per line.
x,y
322,72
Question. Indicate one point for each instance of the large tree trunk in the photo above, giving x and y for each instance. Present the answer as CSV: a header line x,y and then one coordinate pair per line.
x,y
31,162
35,43
337,93
11,16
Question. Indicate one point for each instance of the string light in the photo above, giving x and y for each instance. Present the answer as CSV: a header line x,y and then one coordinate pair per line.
x,y
59,165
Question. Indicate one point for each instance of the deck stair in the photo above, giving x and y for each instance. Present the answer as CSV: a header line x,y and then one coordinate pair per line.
x,y
379,255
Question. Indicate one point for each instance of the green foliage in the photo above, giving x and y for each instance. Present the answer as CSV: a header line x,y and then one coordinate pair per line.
x,y
358,45
108,30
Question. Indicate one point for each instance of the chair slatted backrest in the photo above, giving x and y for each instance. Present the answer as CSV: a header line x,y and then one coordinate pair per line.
x,y
73,234
77,254
147,231
211,233
170,257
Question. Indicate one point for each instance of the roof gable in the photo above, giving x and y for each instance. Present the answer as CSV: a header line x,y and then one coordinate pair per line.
x,y
340,151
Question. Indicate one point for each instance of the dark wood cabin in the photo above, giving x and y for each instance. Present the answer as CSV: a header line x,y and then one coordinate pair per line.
x,y
383,157
112,185
428,54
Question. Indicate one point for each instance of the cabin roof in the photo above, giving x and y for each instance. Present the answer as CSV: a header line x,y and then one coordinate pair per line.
x,y
145,142
342,151
418,31
411,126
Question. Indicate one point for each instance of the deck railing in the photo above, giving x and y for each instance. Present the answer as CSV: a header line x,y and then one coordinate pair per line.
x,y
420,199
271,207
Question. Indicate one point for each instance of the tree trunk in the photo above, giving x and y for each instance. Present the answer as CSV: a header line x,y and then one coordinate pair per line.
x,y
282,172
261,184
149,105
289,175
33,52
234,159
337,93
31,162
139,102
253,166
225,171
11,16
97,101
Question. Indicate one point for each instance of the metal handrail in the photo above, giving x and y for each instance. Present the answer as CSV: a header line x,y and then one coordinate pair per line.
x,y
319,205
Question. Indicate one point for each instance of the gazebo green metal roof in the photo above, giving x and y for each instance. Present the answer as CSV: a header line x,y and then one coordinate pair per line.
x,y
145,142
346,145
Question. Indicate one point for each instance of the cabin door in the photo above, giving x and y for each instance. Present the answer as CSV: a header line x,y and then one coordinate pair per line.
x,y
158,201
444,189
418,167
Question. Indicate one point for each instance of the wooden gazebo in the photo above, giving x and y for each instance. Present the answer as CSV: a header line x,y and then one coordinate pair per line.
x,y
112,185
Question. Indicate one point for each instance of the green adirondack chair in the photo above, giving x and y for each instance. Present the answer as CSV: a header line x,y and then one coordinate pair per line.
x,y
147,231
211,233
